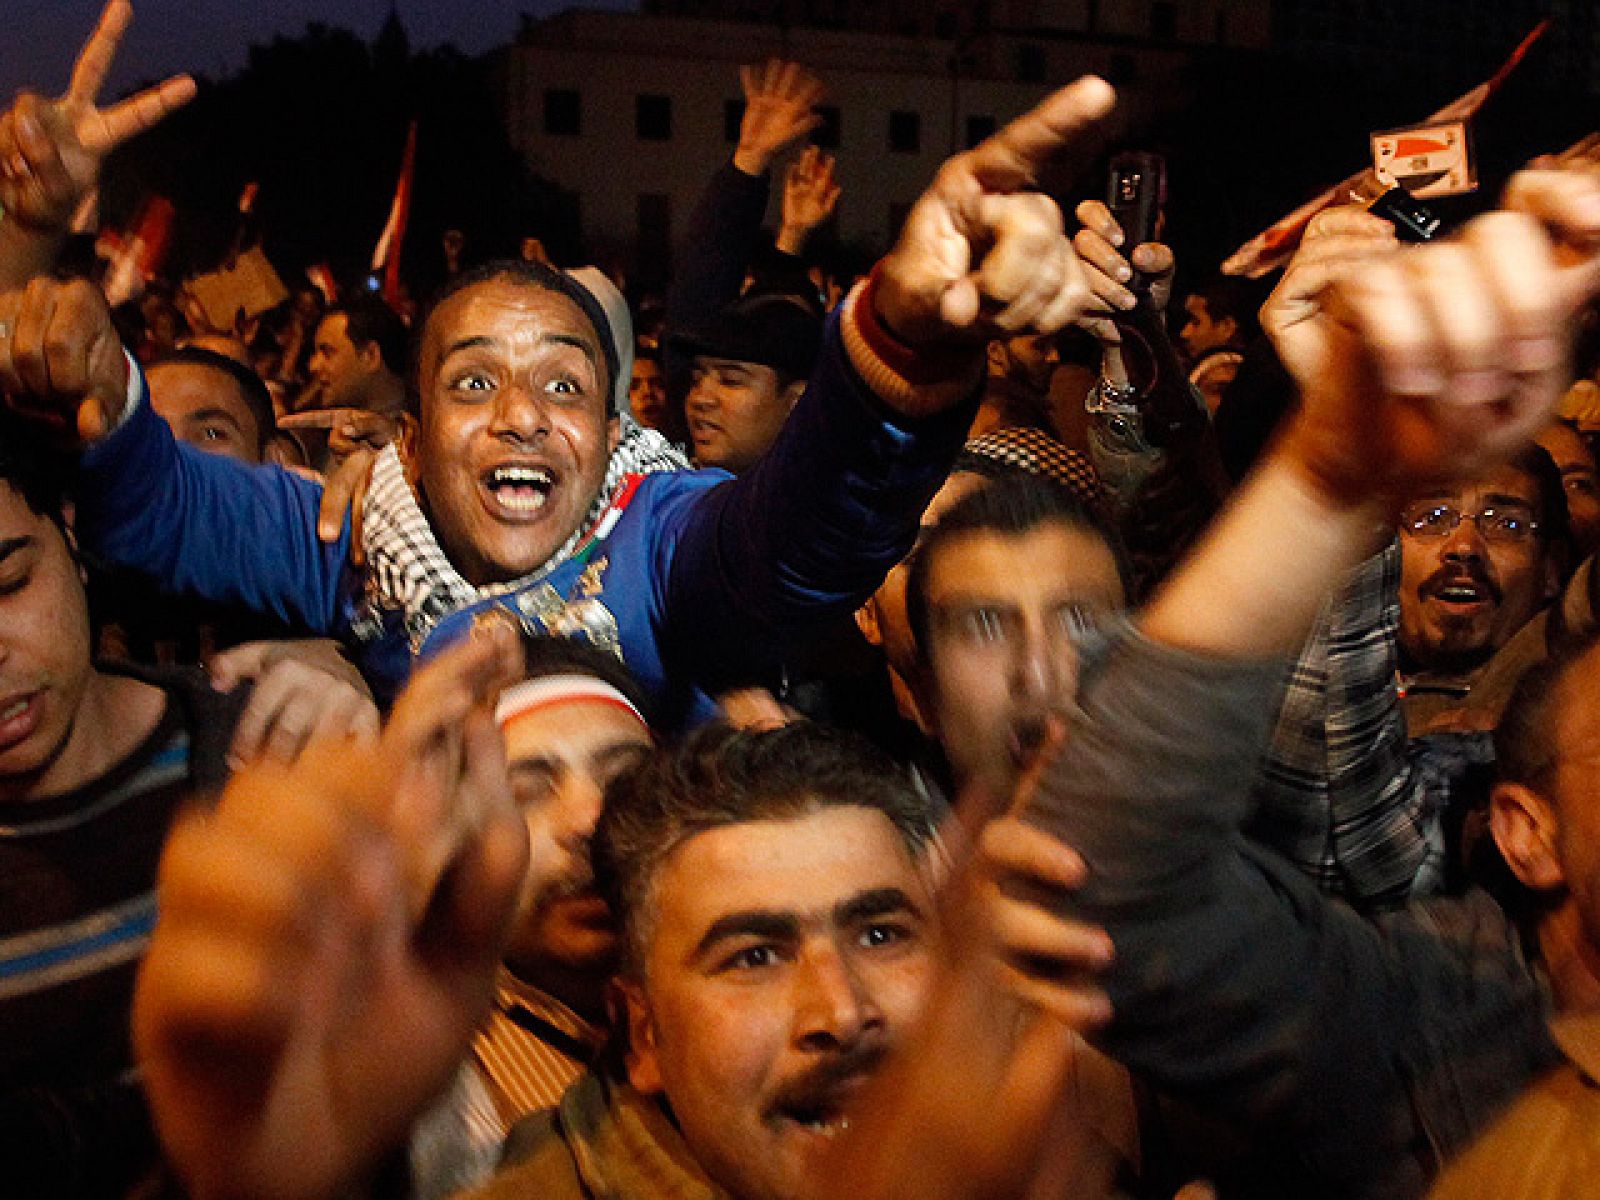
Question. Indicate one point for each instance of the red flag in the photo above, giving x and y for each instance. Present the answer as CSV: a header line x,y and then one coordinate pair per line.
x,y
1273,247
386,255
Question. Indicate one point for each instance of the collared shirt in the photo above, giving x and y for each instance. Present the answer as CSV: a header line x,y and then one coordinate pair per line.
x,y
530,1049
1342,792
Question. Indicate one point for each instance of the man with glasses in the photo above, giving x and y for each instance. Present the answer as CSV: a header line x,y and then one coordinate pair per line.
x,y
1478,562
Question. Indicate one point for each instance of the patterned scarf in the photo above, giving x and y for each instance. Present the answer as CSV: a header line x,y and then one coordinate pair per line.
x,y
408,572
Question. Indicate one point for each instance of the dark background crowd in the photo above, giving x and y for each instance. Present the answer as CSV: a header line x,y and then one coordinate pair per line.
x,y
1007,709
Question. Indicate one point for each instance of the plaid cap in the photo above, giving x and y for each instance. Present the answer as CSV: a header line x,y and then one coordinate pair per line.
x,y
1035,452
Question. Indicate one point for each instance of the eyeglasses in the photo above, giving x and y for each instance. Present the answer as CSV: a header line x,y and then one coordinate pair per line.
x,y
1507,523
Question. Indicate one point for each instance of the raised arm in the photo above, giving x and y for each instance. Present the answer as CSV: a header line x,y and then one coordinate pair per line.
x,y
197,523
327,942
51,150
812,528
1235,982
780,100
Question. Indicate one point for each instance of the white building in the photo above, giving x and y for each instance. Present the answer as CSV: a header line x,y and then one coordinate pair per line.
x,y
632,113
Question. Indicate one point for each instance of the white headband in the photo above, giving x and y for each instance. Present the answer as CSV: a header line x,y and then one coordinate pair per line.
x,y
550,690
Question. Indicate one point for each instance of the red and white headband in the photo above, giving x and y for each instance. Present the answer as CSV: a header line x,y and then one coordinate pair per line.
x,y
552,691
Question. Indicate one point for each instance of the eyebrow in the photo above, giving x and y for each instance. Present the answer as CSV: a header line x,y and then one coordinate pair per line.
x,y
480,341
207,414
876,903
764,923
11,546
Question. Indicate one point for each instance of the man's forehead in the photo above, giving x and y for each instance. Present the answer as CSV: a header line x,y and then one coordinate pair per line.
x,y
999,562
578,728
808,862
509,312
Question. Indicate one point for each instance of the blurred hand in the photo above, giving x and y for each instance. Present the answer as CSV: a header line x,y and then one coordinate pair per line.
x,y
1099,246
780,101
61,362
810,195
304,691
317,969
51,150
1337,242
983,256
1434,364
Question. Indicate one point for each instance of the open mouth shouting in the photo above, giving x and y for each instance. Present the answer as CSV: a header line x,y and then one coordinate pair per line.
x,y
518,492
1462,594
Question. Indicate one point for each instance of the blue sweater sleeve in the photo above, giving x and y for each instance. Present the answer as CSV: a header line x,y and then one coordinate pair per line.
x,y
208,526
809,532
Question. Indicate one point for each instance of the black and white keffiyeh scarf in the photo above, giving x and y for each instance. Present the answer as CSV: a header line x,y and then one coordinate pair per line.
x,y
409,573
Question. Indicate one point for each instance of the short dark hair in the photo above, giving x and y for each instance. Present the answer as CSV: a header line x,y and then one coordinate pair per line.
x,y
256,396
33,467
544,655
369,320
533,274
1010,504
723,776
1555,522
1525,746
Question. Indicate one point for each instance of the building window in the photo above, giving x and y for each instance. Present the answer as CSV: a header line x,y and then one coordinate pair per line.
x,y
563,112
732,118
1032,63
905,132
826,135
652,118
1164,20
979,126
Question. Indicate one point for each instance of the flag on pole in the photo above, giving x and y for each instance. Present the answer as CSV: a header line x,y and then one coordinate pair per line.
x,y
1273,247
386,255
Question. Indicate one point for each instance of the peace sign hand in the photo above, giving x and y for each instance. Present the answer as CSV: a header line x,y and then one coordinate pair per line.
x,y
51,150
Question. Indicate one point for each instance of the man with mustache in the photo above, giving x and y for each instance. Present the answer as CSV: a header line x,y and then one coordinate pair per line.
x,y
522,489
1478,561
572,726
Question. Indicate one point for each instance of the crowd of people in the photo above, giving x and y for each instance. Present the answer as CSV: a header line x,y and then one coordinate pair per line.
x,y
810,736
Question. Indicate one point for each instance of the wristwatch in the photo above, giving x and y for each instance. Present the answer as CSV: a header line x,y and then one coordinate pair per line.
x,y
1109,399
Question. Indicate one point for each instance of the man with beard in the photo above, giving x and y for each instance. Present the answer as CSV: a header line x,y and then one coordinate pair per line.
x,y
1478,562
778,936
522,490
572,727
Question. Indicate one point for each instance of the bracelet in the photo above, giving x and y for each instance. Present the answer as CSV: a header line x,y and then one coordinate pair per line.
x,y
1111,399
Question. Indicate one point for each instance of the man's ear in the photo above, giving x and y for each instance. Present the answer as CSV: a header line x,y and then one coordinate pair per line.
x,y
996,356
1525,829
370,356
867,622
792,393
1232,327
613,435
644,1067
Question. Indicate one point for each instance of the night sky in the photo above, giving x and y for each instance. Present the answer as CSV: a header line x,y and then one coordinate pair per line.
x,y
211,37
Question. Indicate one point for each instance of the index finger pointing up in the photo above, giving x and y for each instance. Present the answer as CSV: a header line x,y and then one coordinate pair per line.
x,y
94,61
1014,156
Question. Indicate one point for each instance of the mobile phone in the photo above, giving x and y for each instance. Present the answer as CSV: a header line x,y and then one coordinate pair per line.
x,y
1136,193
